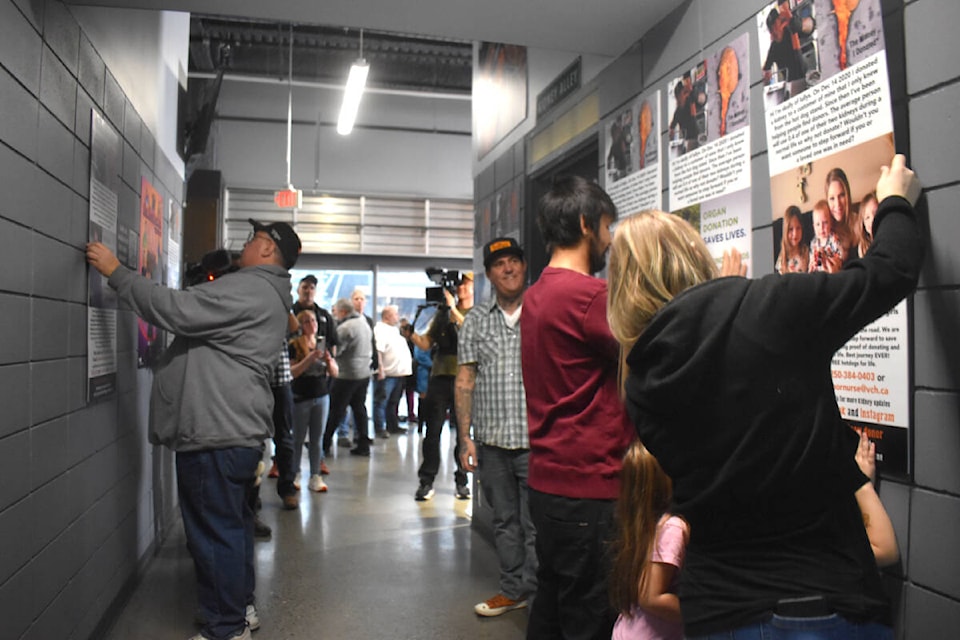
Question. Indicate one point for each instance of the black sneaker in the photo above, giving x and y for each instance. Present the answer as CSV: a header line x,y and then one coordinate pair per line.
x,y
463,492
424,492
261,529
360,452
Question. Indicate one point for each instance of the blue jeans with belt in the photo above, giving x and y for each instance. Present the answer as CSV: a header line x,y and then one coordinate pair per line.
x,y
831,627
218,522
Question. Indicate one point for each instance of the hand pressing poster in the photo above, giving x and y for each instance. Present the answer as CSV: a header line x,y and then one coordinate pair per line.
x,y
709,148
829,130
633,175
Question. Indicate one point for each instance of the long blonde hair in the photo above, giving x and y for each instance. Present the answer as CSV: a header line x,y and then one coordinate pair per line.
x,y
654,257
645,494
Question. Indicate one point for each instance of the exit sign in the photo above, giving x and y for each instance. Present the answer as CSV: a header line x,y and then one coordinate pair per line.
x,y
289,198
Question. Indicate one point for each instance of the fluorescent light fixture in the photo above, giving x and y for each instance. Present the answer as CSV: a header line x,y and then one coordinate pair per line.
x,y
356,81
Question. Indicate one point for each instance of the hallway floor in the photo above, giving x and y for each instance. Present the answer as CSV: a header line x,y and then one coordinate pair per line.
x,y
364,560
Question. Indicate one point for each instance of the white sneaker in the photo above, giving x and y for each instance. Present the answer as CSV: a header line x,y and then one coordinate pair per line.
x,y
317,484
241,635
296,482
253,620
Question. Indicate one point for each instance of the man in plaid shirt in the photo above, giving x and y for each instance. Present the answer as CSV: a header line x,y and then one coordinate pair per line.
x,y
489,394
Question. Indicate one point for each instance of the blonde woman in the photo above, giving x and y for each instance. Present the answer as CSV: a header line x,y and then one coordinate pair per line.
x,y
728,383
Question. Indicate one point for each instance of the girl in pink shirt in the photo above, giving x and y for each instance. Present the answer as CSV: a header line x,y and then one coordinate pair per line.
x,y
648,552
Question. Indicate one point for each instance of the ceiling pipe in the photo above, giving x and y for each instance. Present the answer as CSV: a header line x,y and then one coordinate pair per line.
x,y
233,77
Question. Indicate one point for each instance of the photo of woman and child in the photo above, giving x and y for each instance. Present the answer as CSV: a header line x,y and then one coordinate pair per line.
x,y
840,233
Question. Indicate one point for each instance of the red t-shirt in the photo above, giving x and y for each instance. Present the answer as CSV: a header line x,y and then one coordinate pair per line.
x,y
578,427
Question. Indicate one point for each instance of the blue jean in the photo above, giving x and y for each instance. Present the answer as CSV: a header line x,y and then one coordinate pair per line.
x,y
503,479
386,399
832,627
572,599
310,416
218,522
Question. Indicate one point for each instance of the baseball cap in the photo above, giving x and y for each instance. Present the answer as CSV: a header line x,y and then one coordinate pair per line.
x,y
285,238
312,279
499,247
466,275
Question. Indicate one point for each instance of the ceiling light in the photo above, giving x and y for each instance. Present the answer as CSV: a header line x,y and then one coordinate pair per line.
x,y
352,93
356,82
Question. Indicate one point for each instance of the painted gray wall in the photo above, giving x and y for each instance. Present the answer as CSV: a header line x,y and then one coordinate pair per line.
x,y
83,497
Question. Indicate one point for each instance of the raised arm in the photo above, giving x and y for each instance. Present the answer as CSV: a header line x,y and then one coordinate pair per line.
x,y
883,539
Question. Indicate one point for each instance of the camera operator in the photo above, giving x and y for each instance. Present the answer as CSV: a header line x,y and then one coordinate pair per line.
x,y
441,339
211,403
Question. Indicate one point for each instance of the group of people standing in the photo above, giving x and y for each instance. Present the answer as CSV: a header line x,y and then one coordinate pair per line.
x,y
746,506
741,514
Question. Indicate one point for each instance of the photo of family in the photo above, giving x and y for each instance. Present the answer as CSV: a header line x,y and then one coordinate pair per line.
x,y
823,212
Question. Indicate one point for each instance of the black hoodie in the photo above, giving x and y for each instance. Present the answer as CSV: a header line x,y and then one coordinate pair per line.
x,y
730,388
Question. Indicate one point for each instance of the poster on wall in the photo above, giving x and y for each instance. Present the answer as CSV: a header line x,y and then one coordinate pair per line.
x,y
149,265
499,93
496,217
709,149
826,99
101,299
174,230
631,141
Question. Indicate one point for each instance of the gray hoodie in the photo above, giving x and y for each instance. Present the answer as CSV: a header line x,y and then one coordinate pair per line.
x,y
212,386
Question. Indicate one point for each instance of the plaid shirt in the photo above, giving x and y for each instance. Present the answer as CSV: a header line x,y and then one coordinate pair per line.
x,y
499,404
281,372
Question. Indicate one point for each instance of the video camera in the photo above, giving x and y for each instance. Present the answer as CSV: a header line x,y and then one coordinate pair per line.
x,y
446,279
211,266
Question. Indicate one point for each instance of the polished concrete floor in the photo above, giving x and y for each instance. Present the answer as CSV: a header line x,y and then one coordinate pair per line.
x,y
364,560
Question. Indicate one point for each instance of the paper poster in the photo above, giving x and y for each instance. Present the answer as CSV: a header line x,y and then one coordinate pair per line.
x,y
709,149
101,299
631,140
499,93
149,265
174,220
829,122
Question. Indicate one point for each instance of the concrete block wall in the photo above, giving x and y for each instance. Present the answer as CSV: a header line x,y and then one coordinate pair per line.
x,y
78,510
924,64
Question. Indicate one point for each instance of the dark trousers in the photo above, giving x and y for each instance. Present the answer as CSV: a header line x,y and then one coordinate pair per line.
x,y
283,440
574,565
439,401
217,519
343,394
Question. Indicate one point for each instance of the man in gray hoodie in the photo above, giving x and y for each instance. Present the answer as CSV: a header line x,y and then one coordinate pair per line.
x,y
212,404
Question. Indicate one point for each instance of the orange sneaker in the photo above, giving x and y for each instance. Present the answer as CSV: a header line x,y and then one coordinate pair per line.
x,y
499,605
274,472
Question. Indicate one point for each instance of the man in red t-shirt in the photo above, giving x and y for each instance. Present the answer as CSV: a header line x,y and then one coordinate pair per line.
x,y
579,430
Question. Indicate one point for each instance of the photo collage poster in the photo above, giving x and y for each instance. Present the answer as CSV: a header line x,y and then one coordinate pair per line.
x,y
101,299
633,176
829,122
709,148
150,265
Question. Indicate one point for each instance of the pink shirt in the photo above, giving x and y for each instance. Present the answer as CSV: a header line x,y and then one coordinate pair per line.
x,y
668,549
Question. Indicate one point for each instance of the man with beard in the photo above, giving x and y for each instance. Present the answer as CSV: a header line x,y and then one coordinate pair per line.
x,y
578,429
